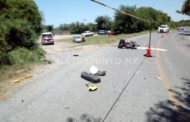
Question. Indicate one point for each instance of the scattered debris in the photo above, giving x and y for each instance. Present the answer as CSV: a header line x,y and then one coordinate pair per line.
x,y
101,73
93,77
75,54
90,77
91,87
66,108
159,78
128,45
93,70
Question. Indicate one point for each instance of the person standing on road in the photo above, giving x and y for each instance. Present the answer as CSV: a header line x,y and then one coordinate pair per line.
x,y
83,39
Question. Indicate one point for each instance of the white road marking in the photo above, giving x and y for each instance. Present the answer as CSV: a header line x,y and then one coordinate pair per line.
x,y
157,49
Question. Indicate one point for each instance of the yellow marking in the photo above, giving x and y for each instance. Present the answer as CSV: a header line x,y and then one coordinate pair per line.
x,y
15,81
24,77
165,80
28,75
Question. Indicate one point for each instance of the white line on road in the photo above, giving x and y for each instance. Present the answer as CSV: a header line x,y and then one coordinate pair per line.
x,y
157,49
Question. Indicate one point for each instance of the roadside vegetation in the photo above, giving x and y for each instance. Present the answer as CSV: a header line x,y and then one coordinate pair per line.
x,y
20,26
121,23
19,29
185,9
102,39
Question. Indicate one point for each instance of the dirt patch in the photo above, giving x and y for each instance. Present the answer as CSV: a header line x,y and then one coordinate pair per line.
x,y
54,55
8,77
4,91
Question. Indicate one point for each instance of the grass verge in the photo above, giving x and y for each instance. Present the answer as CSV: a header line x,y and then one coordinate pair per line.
x,y
104,39
21,60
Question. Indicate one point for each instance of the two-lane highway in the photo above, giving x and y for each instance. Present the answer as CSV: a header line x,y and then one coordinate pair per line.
x,y
135,88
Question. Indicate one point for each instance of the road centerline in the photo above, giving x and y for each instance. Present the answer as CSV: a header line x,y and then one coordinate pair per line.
x,y
164,78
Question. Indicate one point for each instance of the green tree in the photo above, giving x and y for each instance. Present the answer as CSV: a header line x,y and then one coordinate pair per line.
x,y
151,14
123,23
49,28
185,8
127,24
20,25
77,28
103,23
91,27
64,27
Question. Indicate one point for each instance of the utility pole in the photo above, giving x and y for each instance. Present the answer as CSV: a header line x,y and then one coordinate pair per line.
x,y
148,54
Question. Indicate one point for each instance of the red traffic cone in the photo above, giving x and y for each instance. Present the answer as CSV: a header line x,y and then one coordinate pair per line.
x,y
148,53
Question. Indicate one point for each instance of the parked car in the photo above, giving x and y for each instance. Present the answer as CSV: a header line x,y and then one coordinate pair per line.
x,y
186,30
78,38
47,38
180,28
163,29
87,33
111,33
102,32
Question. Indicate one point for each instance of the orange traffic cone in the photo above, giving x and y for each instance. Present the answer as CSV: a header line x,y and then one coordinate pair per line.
x,y
148,53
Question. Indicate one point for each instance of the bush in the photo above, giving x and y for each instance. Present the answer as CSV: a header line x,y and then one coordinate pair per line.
x,y
20,24
20,34
25,56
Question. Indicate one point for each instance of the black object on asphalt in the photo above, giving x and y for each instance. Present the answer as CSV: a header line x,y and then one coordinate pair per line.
x,y
123,43
101,73
76,55
90,77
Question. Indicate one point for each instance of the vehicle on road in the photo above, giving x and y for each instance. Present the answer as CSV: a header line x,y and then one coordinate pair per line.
x,y
47,38
127,44
111,33
102,32
87,33
179,28
78,39
186,30
163,29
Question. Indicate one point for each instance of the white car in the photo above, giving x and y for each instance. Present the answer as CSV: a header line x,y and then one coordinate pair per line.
x,y
87,33
163,29
78,39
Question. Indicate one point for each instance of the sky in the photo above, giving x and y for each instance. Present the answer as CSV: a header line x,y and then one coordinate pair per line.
x,y
58,12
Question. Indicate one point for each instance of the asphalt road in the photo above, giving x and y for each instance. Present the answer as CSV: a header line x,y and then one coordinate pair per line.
x,y
135,88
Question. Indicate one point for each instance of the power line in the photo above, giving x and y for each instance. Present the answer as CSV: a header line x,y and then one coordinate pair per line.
x,y
128,14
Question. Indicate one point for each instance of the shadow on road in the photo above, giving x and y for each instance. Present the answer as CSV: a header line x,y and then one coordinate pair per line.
x,y
165,111
188,45
84,118
184,34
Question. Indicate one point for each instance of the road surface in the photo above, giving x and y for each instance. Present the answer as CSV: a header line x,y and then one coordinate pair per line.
x,y
135,88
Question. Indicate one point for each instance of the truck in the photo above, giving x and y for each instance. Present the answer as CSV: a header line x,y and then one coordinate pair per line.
x,y
87,33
